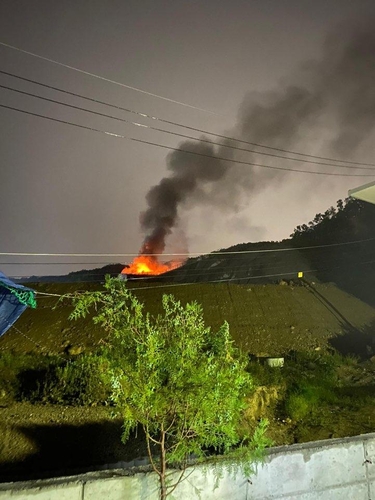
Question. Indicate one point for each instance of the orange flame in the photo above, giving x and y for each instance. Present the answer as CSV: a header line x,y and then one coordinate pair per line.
x,y
145,264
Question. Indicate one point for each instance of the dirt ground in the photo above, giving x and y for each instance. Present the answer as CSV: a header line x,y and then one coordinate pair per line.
x,y
39,440
45,440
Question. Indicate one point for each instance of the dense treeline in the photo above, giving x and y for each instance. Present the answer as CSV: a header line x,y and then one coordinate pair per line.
x,y
351,220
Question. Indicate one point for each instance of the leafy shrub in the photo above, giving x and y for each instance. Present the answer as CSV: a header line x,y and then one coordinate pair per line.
x,y
265,375
307,382
14,369
53,379
76,382
308,397
297,406
312,383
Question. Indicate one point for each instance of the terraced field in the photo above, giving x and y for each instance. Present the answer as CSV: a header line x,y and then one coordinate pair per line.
x,y
264,319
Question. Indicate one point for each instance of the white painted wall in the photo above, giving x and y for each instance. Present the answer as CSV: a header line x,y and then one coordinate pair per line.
x,y
335,469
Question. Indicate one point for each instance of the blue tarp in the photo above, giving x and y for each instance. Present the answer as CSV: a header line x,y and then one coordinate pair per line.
x,y
14,299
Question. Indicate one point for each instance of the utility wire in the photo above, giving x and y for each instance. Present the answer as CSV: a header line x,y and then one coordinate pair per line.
x,y
195,254
224,280
108,79
180,150
186,272
235,262
177,134
211,265
185,276
144,115
229,280
42,348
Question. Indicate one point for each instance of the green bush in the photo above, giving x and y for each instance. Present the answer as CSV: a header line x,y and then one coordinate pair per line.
x,y
76,382
53,379
15,368
297,406
308,397
266,375
309,381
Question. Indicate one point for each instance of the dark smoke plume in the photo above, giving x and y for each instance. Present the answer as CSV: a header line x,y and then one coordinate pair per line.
x,y
335,94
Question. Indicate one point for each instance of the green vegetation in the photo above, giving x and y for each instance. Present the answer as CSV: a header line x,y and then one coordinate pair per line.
x,y
53,379
316,395
313,387
52,383
352,218
311,379
183,383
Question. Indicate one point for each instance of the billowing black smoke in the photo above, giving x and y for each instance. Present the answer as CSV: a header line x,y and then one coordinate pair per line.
x,y
334,96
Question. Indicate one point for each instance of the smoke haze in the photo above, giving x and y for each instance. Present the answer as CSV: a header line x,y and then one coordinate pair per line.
x,y
337,95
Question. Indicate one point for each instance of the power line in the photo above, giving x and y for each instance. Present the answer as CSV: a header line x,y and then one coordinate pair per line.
x,y
224,280
229,280
187,272
180,150
179,271
195,254
177,134
185,275
144,115
42,348
108,79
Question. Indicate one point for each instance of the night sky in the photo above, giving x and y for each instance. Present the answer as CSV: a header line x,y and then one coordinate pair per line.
x,y
295,75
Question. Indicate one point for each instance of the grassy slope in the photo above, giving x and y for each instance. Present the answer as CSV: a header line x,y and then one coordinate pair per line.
x,y
264,319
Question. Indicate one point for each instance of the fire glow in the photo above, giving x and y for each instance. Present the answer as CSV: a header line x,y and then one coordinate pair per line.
x,y
149,265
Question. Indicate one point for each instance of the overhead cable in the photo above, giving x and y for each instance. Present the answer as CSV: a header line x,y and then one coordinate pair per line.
x,y
177,134
195,254
180,150
145,115
173,101
224,280
169,285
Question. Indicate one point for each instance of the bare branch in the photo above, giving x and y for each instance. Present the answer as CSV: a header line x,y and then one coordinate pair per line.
x,y
149,451
180,479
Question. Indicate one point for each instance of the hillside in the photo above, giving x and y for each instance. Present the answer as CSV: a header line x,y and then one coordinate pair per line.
x,y
254,286
268,316
86,275
337,246
264,319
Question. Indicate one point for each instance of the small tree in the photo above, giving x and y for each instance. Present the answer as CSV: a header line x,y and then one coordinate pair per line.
x,y
182,383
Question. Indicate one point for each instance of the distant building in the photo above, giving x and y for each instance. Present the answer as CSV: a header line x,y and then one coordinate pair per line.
x,y
364,193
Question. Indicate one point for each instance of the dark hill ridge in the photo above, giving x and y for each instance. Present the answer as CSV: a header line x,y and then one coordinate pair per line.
x,y
85,275
333,257
340,249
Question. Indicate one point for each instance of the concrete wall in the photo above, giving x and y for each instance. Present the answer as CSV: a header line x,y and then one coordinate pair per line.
x,y
332,469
